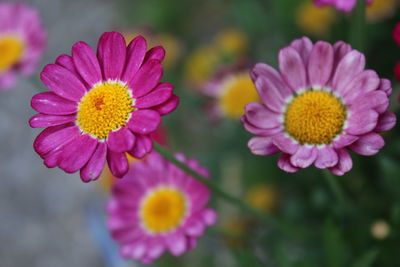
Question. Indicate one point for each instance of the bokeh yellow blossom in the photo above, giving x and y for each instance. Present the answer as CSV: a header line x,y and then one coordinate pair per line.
x,y
263,197
315,20
381,9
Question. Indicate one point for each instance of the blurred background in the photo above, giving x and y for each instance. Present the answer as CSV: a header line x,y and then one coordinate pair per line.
x,y
49,218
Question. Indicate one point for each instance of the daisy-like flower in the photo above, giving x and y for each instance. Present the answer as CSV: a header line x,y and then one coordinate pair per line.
x,y
232,90
22,42
101,107
156,207
342,5
322,103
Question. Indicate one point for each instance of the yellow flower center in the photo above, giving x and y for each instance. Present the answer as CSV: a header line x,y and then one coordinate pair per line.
x,y
11,51
106,107
163,210
315,117
239,90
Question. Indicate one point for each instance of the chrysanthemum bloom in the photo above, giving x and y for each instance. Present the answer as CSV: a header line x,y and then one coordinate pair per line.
x,y
156,207
343,5
101,107
232,90
307,14
22,42
396,34
322,103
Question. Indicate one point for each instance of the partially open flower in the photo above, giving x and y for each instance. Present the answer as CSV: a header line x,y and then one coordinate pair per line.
x,y
101,107
156,208
322,103
22,41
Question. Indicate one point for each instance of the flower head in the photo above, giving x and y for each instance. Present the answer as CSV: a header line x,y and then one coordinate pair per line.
x,y
157,207
380,9
101,106
322,103
22,41
342,5
308,14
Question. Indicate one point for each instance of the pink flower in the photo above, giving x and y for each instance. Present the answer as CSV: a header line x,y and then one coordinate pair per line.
x,y
343,5
396,34
22,42
322,103
101,107
157,208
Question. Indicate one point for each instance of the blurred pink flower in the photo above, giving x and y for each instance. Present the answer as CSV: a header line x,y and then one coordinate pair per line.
x,y
156,207
396,34
322,103
22,42
343,5
101,106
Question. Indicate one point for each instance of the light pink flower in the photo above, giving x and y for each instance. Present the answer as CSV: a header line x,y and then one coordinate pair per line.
x,y
22,42
321,104
101,107
157,207
343,5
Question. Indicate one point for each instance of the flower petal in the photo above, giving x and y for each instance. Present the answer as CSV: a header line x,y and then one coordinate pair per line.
x,y
259,131
320,64
344,165
194,227
143,145
67,62
93,168
209,216
77,153
350,66
368,144
270,94
363,83
376,100
361,122
121,140
111,53
158,96
43,120
176,243
285,164
285,143
86,63
341,49
50,103
344,140
292,69
386,122
118,163
135,54
258,115
327,157
304,157
157,52
146,79
262,146
144,121
168,106
303,46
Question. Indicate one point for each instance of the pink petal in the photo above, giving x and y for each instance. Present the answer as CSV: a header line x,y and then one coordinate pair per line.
x,y
362,122
50,103
304,157
176,243
303,46
262,146
270,94
157,52
168,106
368,144
67,62
118,163
258,115
134,57
327,157
111,53
53,158
386,86
258,131
62,82
320,64
209,216
194,227
121,140
144,121
376,100
77,153
43,120
147,77
292,69
158,96
285,143
386,122
143,145
344,165
285,164
351,65
341,49
93,168
86,63
363,83
344,140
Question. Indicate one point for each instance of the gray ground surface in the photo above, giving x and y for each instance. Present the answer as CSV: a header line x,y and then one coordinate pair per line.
x,y
42,219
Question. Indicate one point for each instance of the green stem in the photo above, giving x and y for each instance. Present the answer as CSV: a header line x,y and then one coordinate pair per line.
x,y
336,188
266,218
358,29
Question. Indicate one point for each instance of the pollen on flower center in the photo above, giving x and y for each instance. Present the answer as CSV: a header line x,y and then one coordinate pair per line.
x,y
315,117
163,210
106,107
239,90
11,51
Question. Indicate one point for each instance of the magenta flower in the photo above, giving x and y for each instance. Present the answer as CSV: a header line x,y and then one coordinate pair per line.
x,y
22,42
343,5
322,103
157,207
101,107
